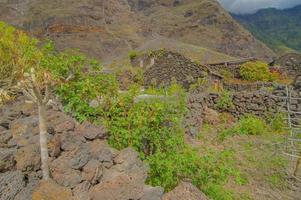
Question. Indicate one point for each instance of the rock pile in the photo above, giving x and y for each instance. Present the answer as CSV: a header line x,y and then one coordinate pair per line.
x,y
82,164
169,66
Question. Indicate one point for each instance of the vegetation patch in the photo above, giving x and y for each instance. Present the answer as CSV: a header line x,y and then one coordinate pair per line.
x,y
248,125
225,101
257,71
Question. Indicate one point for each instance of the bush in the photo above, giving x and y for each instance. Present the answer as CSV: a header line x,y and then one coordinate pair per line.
x,y
17,52
248,125
224,101
133,54
257,71
277,122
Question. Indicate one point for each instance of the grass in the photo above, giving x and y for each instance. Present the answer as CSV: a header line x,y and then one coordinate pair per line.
x,y
257,156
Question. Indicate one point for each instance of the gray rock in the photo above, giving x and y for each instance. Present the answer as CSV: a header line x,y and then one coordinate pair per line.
x,y
11,183
6,159
28,158
70,141
80,159
81,191
185,191
119,188
26,192
5,136
152,193
90,131
63,174
92,172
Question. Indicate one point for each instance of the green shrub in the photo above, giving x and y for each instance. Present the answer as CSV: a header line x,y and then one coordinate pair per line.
x,y
132,54
18,52
277,122
248,125
224,101
227,74
257,71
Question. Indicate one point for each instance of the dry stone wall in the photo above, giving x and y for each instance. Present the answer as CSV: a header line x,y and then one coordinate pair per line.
x,y
260,103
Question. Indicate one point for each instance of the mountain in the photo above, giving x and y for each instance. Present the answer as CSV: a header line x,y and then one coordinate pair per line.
x,y
108,29
279,29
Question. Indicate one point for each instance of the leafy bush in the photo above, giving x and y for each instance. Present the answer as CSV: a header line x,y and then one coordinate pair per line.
x,y
248,125
224,101
17,52
277,122
133,54
257,71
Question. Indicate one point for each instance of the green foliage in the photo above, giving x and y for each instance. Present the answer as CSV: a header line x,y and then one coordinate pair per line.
x,y
227,74
149,125
277,122
219,192
133,54
256,71
18,52
248,125
77,94
225,100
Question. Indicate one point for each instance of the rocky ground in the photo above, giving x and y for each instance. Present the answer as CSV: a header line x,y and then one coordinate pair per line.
x,y
83,166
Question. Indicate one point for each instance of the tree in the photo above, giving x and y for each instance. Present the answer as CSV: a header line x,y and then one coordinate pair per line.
x,y
36,88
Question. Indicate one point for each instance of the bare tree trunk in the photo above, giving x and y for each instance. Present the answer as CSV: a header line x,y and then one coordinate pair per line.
x,y
43,141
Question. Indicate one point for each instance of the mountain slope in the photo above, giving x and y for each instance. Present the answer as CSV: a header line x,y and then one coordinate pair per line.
x,y
110,28
279,29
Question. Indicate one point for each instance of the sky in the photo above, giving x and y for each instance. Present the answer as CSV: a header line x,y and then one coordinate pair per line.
x,y
251,6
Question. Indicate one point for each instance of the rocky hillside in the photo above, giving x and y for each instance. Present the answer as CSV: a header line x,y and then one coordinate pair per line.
x,y
107,29
82,164
279,29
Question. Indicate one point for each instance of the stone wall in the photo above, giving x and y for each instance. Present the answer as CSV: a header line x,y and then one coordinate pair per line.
x,y
260,103
237,87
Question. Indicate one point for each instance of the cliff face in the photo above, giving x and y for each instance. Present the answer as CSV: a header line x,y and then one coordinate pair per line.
x,y
110,28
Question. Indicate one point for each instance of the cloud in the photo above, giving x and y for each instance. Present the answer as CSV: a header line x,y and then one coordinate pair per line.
x,y
250,6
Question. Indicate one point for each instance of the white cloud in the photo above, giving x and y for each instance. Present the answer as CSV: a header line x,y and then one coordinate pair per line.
x,y
249,6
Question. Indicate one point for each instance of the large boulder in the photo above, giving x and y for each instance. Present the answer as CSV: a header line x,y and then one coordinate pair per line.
x,y
185,191
49,190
